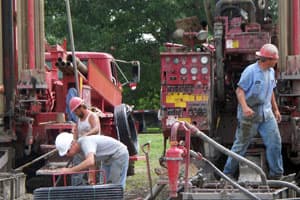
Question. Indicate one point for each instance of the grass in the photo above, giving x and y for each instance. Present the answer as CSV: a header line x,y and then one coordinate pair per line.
x,y
140,182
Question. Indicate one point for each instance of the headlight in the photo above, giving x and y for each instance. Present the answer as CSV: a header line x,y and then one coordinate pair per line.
x,y
204,60
183,70
194,70
204,70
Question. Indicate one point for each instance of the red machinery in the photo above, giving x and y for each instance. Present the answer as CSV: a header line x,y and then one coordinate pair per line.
x,y
198,82
38,78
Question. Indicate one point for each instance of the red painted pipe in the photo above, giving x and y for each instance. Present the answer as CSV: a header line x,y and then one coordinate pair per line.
x,y
30,31
296,27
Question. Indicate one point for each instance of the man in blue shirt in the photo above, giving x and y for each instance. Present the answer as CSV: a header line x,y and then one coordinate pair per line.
x,y
258,112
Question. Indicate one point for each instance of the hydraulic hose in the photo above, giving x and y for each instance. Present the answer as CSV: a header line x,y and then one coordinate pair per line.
x,y
276,183
235,184
226,151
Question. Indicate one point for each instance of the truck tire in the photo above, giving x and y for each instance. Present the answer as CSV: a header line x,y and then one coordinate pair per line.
x,y
125,127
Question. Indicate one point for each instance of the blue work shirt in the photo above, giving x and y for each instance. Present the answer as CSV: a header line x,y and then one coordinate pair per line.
x,y
258,86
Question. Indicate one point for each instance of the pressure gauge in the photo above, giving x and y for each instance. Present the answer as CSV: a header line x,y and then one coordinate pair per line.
x,y
204,60
204,70
176,60
194,70
194,59
183,70
167,59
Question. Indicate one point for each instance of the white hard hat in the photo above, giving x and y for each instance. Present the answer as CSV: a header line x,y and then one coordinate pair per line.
x,y
63,142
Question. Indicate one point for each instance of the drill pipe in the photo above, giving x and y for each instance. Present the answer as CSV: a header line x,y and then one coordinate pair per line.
x,y
80,65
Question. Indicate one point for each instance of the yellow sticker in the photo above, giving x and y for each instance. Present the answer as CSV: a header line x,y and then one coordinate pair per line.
x,y
180,104
235,44
181,99
185,119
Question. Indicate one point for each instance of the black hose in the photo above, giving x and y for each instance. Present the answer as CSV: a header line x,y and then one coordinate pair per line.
x,y
226,151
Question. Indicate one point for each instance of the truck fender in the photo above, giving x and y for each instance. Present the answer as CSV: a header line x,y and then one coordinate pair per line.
x,y
126,129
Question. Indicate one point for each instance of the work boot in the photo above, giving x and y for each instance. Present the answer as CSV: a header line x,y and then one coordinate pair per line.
x,y
230,176
287,178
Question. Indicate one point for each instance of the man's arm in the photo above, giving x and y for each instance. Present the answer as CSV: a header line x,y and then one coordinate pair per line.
x,y
88,163
75,132
1,89
275,108
92,175
95,125
240,94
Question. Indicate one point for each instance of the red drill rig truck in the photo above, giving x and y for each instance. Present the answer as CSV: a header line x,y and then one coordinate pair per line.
x,y
37,78
198,82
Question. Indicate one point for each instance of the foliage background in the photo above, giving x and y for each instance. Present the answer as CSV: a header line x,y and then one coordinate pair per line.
x,y
117,27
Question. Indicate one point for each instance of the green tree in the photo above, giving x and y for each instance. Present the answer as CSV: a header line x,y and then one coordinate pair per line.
x,y
119,27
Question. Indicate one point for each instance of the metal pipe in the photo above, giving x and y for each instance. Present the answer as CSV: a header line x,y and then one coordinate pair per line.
x,y
174,129
296,26
8,62
276,183
146,149
80,65
236,185
187,158
226,151
46,155
59,177
72,44
39,34
155,191
30,30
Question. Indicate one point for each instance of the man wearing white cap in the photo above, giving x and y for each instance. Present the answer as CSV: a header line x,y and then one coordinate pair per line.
x,y
113,154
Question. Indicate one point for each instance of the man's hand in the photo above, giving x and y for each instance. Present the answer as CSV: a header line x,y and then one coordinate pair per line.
x,y
92,177
277,115
248,112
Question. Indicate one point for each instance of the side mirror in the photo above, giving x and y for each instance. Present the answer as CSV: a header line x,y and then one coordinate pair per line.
x,y
135,75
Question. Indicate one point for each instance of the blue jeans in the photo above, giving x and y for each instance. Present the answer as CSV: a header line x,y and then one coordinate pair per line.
x,y
78,179
116,168
246,130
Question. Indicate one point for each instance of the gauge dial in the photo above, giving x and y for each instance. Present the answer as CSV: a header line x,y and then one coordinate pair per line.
x,y
194,59
183,70
176,60
204,60
167,59
194,70
204,70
